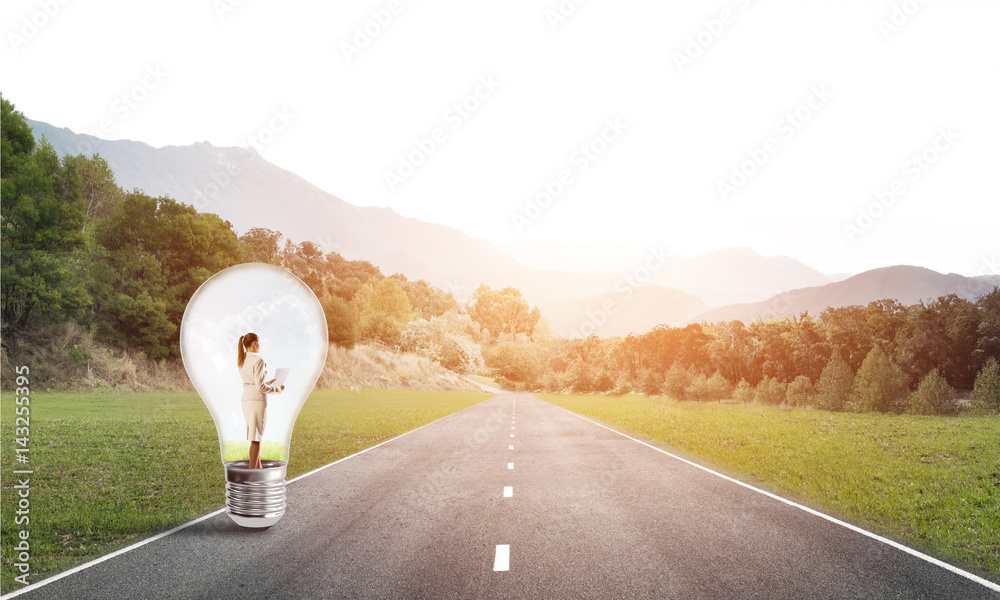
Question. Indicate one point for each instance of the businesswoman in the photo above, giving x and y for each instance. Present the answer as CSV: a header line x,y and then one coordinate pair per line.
x,y
255,391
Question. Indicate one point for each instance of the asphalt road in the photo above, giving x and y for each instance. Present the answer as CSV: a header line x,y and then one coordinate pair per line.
x,y
583,512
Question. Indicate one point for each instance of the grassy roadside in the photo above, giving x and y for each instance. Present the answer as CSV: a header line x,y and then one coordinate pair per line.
x,y
932,483
113,468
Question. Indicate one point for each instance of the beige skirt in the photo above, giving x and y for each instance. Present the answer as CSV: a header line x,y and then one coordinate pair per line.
x,y
254,411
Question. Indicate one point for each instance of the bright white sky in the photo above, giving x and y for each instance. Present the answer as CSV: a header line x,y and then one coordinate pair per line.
x,y
880,94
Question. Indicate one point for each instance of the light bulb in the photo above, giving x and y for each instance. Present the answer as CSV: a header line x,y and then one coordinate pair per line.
x,y
291,326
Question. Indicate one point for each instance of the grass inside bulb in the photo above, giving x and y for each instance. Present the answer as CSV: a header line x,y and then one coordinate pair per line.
x,y
291,325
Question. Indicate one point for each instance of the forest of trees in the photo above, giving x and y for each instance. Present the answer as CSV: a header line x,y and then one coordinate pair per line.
x,y
76,247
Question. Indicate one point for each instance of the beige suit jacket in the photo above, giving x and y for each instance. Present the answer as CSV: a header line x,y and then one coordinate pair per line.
x,y
252,373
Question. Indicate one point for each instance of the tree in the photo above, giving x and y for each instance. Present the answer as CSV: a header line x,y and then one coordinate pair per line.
x,y
502,311
650,382
676,381
880,385
260,244
848,332
99,193
988,344
384,310
770,391
341,321
986,390
160,249
744,392
708,389
515,362
800,392
427,300
775,339
833,390
933,396
459,353
733,351
41,231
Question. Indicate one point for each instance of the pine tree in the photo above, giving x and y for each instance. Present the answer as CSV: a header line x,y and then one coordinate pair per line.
x,y
933,396
880,385
833,390
986,390
744,392
770,391
800,392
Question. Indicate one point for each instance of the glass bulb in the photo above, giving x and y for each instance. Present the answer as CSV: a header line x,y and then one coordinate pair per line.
x,y
291,326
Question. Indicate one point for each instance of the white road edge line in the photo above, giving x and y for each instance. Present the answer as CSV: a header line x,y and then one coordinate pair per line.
x,y
989,584
163,534
501,562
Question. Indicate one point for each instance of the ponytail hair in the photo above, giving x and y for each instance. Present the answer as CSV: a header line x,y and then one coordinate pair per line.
x,y
245,342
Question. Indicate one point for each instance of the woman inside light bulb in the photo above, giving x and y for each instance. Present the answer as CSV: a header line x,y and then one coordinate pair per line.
x,y
255,391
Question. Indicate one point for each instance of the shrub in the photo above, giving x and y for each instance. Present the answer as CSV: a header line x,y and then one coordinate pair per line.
x,y
986,390
933,396
800,392
650,382
744,392
676,382
833,390
880,385
515,362
770,391
707,389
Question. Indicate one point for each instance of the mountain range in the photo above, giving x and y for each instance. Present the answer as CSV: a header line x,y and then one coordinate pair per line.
x,y
612,290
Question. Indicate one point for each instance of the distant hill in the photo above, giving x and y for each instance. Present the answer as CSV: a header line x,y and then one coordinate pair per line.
x,y
261,194
591,260
735,275
622,311
728,276
906,284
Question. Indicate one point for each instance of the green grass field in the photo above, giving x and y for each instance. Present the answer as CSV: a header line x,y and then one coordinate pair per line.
x,y
113,468
932,483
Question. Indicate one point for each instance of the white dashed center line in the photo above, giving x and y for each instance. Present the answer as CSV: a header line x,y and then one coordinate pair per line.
x,y
510,465
502,560
508,491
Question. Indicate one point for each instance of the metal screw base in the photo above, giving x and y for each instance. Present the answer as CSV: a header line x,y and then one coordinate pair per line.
x,y
255,498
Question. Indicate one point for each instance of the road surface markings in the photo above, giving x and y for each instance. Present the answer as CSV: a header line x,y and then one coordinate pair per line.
x,y
501,562
512,435
508,491
989,584
120,551
510,447
510,465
